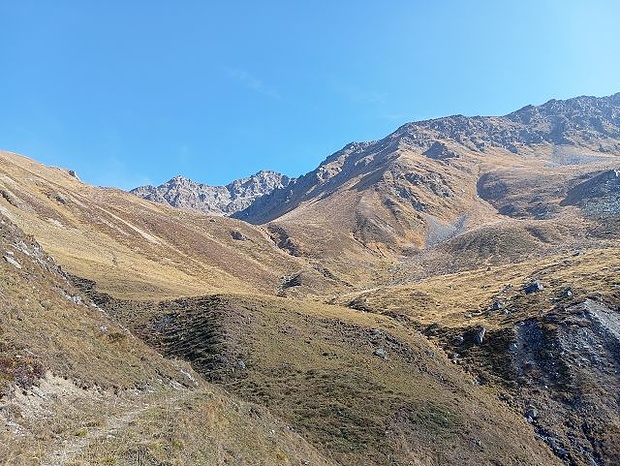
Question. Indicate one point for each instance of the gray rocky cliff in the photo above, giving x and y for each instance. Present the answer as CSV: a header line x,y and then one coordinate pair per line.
x,y
184,193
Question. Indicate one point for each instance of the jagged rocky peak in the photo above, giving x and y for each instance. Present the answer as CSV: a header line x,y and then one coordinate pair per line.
x,y
185,193
263,182
588,122
570,132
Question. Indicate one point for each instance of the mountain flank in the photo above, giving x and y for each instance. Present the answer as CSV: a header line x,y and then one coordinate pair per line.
x,y
446,295
78,388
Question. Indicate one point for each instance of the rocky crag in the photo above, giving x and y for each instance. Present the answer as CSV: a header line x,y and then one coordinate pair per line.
x,y
224,200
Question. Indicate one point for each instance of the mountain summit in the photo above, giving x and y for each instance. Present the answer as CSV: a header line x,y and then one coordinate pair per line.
x,y
225,200
564,132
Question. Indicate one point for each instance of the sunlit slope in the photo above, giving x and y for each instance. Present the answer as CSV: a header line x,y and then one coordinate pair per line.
x,y
135,248
77,388
432,181
545,332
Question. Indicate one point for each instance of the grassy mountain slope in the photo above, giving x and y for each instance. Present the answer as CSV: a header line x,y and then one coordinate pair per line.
x,y
135,248
77,388
552,348
322,369
433,180
312,365
446,295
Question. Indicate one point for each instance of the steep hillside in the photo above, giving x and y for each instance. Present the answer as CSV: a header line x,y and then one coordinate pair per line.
x,y
78,388
446,295
543,331
226,200
571,132
432,180
132,247
363,389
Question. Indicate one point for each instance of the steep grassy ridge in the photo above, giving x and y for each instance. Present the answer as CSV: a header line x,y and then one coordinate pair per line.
x,y
77,388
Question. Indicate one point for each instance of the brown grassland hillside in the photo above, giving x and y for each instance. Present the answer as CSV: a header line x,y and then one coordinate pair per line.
x,y
446,295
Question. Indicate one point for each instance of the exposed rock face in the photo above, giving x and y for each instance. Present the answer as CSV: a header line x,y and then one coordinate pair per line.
x,y
533,287
576,130
225,200
599,194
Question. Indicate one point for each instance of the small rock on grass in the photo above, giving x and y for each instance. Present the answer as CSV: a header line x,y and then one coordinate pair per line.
x,y
380,353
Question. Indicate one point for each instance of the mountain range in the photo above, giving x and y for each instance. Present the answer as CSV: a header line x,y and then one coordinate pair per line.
x,y
448,294
184,193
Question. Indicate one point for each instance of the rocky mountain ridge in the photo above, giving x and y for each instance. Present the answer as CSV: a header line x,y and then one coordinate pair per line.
x,y
184,193
575,131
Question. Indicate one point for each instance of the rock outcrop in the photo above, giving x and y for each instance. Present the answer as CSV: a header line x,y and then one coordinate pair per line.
x,y
224,200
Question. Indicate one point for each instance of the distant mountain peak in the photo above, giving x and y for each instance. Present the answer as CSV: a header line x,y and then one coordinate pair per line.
x,y
571,128
183,192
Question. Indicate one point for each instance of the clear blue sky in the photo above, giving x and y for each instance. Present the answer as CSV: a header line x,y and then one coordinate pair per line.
x,y
135,92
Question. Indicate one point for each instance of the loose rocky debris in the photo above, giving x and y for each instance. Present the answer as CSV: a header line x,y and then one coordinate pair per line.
x,y
291,281
478,334
8,257
237,235
380,353
533,287
561,370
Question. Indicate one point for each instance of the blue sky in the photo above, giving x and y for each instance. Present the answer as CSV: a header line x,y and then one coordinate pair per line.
x,y
135,92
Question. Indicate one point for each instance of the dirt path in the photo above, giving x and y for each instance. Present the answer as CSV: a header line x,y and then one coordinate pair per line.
x,y
74,445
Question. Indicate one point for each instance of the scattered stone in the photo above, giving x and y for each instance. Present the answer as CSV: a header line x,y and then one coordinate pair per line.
x,y
241,364
533,287
380,353
359,304
531,413
289,282
497,305
478,334
458,340
46,304
12,261
237,235
60,198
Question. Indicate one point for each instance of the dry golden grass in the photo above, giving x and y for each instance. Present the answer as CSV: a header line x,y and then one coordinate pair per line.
x,y
446,299
313,366
78,388
200,427
136,249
